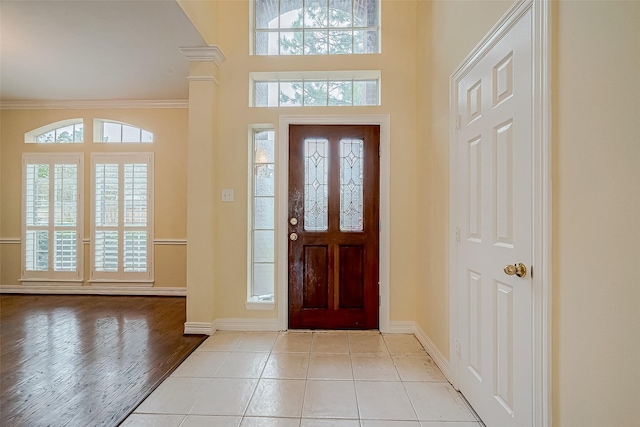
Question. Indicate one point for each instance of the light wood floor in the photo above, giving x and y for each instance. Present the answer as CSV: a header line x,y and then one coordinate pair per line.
x,y
85,360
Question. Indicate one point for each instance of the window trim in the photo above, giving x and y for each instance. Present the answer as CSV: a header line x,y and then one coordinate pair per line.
x,y
254,302
51,275
122,278
31,136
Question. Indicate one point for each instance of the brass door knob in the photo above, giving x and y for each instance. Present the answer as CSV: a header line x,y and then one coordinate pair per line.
x,y
518,269
293,237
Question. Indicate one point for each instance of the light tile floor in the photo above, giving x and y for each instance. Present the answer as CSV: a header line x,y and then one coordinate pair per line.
x,y
306,379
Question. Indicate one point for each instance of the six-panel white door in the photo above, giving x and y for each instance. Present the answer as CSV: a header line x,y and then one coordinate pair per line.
x,y
494,146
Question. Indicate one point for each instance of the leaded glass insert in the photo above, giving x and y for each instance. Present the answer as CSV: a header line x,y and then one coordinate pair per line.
x,y
351,184
316,184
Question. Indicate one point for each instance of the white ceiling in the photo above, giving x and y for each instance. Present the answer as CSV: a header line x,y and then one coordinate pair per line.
x,y
94,50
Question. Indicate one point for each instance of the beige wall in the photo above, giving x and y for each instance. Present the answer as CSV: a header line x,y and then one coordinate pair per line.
x,y
596,213
398,67
453,30
169,127
596,202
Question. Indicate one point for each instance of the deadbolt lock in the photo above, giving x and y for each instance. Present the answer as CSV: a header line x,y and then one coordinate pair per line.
x,y
293,221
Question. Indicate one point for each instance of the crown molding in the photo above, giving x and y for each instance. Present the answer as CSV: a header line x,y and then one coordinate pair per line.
x,y
211,53
89,105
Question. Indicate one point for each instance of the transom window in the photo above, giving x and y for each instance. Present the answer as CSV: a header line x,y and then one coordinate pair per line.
x,y
311,89
316,27
64,131
118,132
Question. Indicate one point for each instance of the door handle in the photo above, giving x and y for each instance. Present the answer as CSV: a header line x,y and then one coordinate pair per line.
x,y
293,237
518,269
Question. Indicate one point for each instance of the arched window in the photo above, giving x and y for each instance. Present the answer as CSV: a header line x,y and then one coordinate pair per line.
x,y
316,27
62,132
109,131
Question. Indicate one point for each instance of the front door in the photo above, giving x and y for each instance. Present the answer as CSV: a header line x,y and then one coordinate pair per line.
x,y
334,182
495,251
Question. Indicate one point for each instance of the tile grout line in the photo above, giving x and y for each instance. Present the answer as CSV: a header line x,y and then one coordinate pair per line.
x,y
355,390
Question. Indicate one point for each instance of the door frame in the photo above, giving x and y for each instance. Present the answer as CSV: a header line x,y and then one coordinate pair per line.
x,y
384,260
541,210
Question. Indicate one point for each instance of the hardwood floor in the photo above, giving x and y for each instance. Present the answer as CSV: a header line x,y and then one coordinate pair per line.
x,y
85,360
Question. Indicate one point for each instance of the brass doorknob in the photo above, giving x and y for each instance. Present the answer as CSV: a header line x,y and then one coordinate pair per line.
x,y
293,237
518,269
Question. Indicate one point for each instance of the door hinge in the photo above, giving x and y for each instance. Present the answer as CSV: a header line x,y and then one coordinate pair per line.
x,y
457,234
379,151
458,122
458,351
379,300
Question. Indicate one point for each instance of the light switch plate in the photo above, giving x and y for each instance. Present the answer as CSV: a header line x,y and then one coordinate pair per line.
x,y
227,195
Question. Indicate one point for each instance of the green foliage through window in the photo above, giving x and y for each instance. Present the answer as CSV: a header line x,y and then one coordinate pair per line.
x,y
316,27
316,93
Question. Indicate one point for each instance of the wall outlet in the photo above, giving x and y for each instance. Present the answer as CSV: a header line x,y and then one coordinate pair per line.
x,y
227,195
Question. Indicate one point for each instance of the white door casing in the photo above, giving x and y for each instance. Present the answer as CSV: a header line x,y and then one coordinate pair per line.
x,y
499,175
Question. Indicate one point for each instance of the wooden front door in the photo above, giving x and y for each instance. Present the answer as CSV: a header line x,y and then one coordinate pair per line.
x,y
334,185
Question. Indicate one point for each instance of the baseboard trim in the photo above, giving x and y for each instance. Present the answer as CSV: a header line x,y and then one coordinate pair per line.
x,y
92,290
433,351
256,325
198,328
410,327
402,327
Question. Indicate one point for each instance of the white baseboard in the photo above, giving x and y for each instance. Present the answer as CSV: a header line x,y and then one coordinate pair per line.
x,y
56,289
198,328
257,325
410,327
433,351
402,327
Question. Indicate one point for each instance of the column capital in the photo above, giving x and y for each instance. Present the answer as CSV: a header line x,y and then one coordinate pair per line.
x,y
211,53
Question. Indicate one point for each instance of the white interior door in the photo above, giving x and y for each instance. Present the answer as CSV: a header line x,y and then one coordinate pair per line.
x,y
495,201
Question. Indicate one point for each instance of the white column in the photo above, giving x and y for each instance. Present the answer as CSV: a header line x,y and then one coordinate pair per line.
x,y
201,185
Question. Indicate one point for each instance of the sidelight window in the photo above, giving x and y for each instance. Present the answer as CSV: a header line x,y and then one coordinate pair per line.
x,y
262,217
